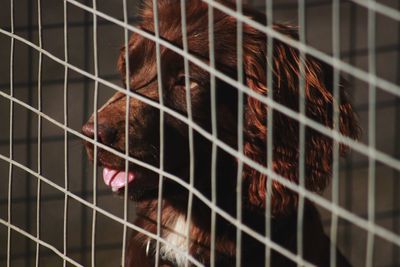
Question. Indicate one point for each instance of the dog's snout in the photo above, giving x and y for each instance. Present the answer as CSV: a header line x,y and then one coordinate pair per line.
x,y
105,134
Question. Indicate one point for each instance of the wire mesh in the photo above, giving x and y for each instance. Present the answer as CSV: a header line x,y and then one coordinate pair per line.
x,y
361,207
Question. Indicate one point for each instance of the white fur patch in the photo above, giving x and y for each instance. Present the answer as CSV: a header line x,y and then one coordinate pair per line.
x,y
177,238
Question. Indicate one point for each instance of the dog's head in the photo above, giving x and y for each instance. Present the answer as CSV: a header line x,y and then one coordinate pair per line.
x,y
182,141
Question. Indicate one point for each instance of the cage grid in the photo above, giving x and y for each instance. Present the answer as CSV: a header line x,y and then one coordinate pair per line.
x,y
28,152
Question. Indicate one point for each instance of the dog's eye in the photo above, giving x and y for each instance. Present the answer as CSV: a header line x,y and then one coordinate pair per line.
x,y
180,82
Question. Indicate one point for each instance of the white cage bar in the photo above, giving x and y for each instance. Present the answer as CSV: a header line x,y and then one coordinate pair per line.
x,y
337,212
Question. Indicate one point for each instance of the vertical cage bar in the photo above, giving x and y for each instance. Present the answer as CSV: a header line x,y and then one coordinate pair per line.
x,y
95,100
335,126
190,130
39,133
270,129
302,130
65,98
214,133
127,87
28,134
11,135
239,55
161,155
371,130
86,99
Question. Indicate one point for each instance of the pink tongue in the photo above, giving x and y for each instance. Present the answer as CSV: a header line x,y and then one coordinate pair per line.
x,y
116,179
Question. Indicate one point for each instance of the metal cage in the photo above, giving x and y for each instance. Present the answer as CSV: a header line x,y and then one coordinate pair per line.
x,y
58,64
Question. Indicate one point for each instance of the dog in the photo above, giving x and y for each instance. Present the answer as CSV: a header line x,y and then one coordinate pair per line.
x,y
144,140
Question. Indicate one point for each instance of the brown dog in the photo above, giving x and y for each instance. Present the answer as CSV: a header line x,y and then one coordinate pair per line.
x,y
144,139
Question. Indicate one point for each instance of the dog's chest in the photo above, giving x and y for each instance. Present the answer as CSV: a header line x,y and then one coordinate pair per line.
x,y
175,253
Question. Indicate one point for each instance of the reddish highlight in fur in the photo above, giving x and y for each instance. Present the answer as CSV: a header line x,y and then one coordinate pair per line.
x,y
144,137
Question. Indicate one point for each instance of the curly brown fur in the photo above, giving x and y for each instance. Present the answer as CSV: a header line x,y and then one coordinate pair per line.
x,y
144,138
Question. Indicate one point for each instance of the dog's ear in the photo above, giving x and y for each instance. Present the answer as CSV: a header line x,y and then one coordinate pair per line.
x,y
318,86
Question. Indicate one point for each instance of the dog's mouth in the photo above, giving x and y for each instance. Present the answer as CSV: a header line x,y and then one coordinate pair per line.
x,y
141,183
117,179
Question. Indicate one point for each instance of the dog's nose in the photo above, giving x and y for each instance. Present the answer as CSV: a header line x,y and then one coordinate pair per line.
x,y
88,130
105,134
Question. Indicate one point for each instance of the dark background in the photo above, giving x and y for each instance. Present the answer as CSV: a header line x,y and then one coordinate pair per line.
x,y
353,170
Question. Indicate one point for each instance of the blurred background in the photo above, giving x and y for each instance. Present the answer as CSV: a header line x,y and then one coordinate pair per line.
x,y
80,90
